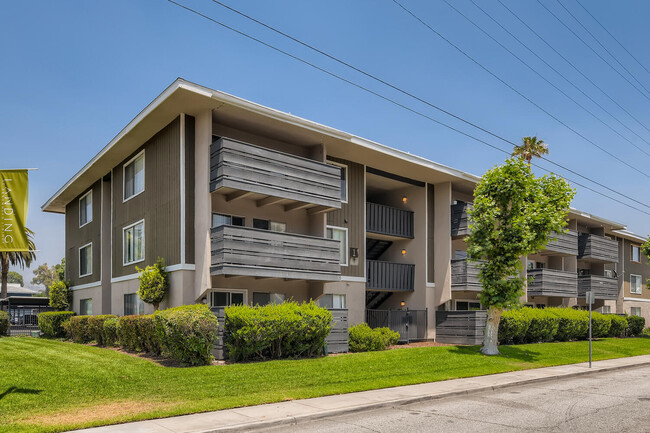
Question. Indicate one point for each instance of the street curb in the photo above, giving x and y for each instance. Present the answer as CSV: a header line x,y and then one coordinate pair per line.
x,y
257,425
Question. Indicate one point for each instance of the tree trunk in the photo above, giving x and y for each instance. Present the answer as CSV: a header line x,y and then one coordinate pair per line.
x,y
491,337
5,275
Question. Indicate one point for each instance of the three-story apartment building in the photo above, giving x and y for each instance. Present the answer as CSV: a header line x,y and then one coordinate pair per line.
x,y
247,204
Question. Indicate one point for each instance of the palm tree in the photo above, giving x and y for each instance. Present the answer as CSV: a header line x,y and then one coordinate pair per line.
x,y
18,258
530,147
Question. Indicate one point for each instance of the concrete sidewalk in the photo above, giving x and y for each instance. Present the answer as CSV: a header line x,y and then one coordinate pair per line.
x,y
290,412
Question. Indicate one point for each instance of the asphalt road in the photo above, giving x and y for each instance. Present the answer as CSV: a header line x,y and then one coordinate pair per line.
x,y
608,402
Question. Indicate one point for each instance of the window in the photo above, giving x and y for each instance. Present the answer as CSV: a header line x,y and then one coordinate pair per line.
x,y
133,243
86,209
636,253
273,226
344,181
224,298
530,264
341,235
134,176
636,282
540,265
607,309
268,298
86,260
635,311
468,305
278,227
338,301
86,307
332,301
221,220
133,304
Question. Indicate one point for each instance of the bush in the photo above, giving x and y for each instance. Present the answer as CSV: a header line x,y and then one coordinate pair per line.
x,y
618,325
96,327
600,325
572,324
78,329
51,323
513,327
153,283
4,323
127,332
362,338
635,325
543,325
187,333
287,330
148,339
60,296
110,331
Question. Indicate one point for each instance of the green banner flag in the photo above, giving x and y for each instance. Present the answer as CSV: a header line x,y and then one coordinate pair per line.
x,y
13,210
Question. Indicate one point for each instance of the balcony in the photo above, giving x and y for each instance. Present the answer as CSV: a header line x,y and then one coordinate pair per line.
x,y
389,276
244,251
464,275
389,221
597,249
566,244
460,219
240,170
552,282
603,287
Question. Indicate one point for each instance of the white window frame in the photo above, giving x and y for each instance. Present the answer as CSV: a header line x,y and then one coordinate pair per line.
x,y
139,302
632,253
347,243
90,263
89,193
640,277
632,314
341,296
347,178
144,177
144,238
456,301
244,292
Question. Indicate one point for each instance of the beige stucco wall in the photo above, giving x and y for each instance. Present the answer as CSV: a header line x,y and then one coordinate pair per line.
x,y
94,293
645,309
355,298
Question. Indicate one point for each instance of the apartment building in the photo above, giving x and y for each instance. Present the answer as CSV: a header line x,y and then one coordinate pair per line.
x,y
247,204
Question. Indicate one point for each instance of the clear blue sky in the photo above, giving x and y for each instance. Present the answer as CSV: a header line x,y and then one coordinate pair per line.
x,y
75,72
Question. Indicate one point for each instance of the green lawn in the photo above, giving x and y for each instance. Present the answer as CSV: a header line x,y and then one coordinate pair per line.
x,y
48,386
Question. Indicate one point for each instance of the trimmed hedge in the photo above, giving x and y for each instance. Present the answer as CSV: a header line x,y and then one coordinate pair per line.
x,y
78,330
362,338
287,330
110,331
532,325
187,333
4,323
96,328
148,338
127,332
51,323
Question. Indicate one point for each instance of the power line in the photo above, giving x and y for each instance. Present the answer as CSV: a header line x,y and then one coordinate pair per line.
x,y
612,36
418,112
392,86
643,173
572,65
523,62
601,45
558,72
594,51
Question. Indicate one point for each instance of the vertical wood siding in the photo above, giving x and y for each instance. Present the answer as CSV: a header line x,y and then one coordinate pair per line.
x,y
354,213
189,189
76,237
158,205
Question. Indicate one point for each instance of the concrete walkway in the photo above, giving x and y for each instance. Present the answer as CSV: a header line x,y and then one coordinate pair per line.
x,y
291,412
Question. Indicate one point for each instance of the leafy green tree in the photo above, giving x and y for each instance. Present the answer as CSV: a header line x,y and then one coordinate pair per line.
x,y
153,283
645,249
11,258
529,148
60,270
514,215
45,275
60,296
14,277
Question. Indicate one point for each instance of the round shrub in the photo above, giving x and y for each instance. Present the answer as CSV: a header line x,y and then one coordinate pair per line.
x,y
153,283
187,333
78,329
572,324
110,331
635,325
60,296
51,323
96,327
287,330
618,325
4,323
362,338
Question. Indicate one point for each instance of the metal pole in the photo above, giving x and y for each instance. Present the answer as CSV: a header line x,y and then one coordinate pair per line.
x,y
589,301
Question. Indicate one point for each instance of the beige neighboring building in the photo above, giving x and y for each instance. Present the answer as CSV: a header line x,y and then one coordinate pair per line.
x,y
247,204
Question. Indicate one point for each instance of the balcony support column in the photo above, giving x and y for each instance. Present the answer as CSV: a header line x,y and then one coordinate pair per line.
x,y
202,202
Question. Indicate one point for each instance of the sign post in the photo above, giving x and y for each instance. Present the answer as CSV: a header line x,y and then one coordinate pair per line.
x,y
589,297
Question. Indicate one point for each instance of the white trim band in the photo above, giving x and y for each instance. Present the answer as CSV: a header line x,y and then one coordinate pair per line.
x,y
636,299
171,268
87,286
354,279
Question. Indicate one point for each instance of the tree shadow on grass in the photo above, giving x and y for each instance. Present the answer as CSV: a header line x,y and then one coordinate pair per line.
x,y
16,390
507,352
